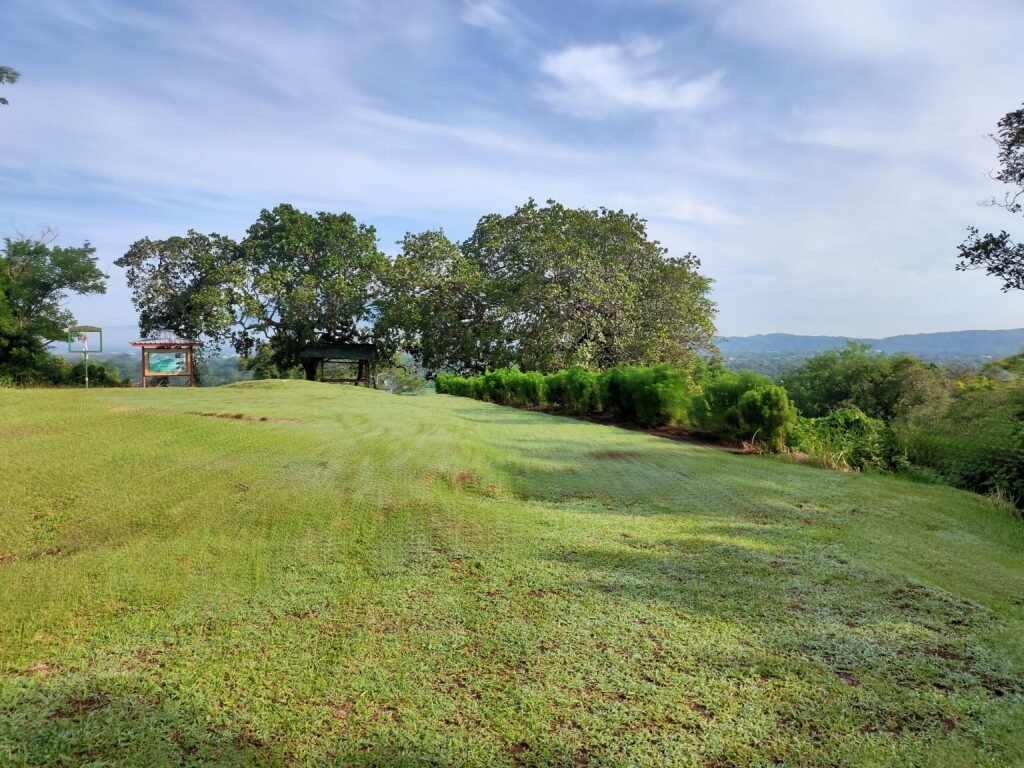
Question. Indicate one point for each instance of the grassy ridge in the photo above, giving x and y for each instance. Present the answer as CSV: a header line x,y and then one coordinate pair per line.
x,y
363,579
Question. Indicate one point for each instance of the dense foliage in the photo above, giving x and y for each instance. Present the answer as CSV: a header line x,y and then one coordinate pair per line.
x,y
546,288
8,75
882,386
963,427
847,439
542,288
35,280
55,371
294,278
975,442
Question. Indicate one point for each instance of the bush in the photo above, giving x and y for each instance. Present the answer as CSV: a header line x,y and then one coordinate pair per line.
x,y
530,388
573,390
847,439
99,375
744,406
766,414
716,409
652,397
508,386
882,386
732,406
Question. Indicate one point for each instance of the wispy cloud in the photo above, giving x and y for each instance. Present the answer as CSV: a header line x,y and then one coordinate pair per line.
x,y
837,164
600,80
486,14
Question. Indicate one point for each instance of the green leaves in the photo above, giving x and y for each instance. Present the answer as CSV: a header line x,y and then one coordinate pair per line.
x,y
543,288
998,254
35,280
294,277
8,75
546,288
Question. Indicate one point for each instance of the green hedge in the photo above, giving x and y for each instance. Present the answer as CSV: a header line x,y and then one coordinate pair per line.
x,y
651,397
731,406
744,406
573,390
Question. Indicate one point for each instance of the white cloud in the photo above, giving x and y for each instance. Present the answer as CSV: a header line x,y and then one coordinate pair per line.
x,y
676,206
826,194
500,19
600,80
486,14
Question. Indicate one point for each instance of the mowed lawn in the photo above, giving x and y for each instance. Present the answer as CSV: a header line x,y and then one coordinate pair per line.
x,y
347,577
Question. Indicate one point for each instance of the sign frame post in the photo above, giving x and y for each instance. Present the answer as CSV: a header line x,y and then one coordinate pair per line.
x,y
81,333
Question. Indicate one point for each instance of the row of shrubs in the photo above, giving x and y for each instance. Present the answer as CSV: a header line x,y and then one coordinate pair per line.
x,y
727,405
973,440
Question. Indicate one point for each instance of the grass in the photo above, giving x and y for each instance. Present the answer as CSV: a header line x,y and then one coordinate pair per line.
x,y
365,579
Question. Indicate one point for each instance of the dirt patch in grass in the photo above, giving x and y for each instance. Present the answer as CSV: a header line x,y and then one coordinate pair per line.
x,y
48,552
179,740
77,706
342,711
613,455
699,709
847,678
465,481
39,669
243,417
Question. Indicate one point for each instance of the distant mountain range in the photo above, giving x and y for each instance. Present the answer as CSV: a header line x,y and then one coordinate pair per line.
x,y
951,345
965,346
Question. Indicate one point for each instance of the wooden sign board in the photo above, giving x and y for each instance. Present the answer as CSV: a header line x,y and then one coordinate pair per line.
x,y
166,362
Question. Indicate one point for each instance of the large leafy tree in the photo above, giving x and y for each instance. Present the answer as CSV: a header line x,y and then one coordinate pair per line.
x,y
548,287
998,254
295,278
435,307
7,75
36,279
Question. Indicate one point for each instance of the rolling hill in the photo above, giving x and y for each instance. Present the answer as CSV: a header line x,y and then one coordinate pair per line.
x,y
966,344
291,573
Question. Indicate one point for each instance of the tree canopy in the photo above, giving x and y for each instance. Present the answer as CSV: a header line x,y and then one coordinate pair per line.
x,y
882,386
7,75
998,254
542,288
293,279
35,280
546,288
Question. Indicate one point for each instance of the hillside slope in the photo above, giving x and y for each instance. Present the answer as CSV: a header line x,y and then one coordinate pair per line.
x,y
293,573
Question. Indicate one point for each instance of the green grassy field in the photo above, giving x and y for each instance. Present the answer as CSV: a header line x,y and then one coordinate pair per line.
x,y
354,578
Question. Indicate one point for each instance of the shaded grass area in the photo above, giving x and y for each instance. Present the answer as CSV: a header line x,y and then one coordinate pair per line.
x,y
326,575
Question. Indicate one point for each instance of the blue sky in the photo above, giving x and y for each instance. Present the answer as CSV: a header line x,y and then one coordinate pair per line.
x,y
822,158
